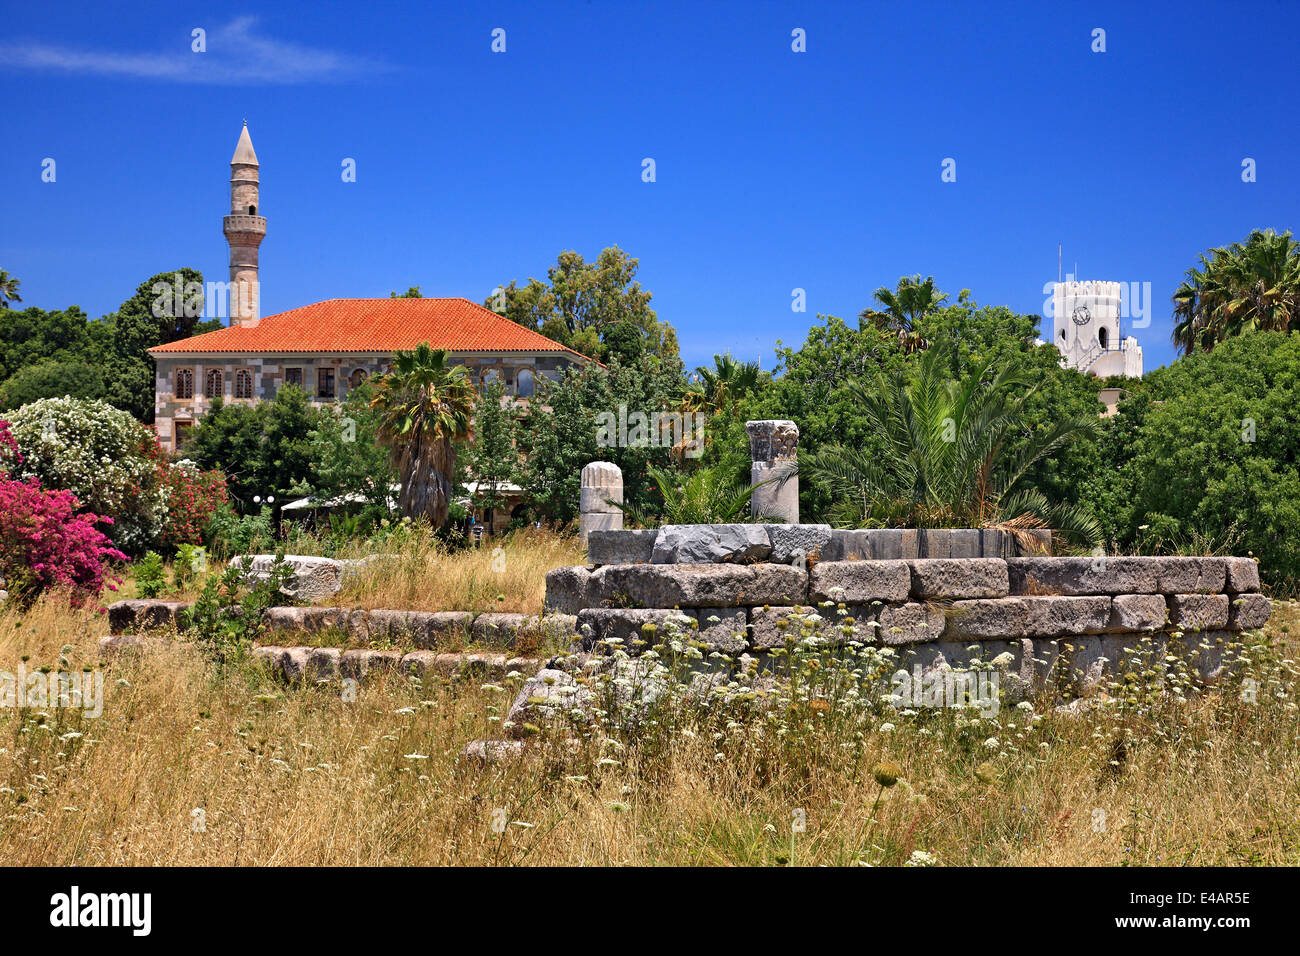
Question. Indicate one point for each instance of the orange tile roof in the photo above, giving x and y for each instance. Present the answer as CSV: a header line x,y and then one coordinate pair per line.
x,y
374,325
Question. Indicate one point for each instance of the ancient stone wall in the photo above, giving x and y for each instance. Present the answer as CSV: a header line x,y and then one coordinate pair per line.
x,y
741,595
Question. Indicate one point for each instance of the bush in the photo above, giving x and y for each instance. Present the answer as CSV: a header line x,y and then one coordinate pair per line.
x,y
45,544
149,575
192,498
1207,455
102,456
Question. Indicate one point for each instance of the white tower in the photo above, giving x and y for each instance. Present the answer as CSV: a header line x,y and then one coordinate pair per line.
x,y
1086,329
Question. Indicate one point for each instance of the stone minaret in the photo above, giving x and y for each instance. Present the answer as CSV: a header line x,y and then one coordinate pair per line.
x,y
244,230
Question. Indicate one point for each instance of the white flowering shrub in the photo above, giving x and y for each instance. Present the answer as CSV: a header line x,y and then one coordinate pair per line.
x,y
103,456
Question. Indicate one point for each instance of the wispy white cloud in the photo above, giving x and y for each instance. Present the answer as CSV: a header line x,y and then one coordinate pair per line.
x,y
236,54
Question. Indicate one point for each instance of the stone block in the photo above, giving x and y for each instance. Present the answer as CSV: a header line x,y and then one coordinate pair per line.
x,y
847,545
1017,617
446,627
313,578
292,663
698,585
893,544
910,623
959,578
116,645
323,663
621,547
1137,612
399,627
1082,576
1192,575
596,625
711,544
359,664
497,629
1249,611
859,582
143,615
789,541
948,543
588,524
770,627
729,634
1198,612
1242,574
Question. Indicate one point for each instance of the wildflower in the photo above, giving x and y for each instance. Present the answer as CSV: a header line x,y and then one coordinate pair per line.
x,y
887,773
921,858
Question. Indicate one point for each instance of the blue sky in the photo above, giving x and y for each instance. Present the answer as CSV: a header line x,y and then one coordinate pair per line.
x,y
775,170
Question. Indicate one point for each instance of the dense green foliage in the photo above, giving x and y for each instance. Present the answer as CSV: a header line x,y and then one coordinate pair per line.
x,y
1205,455
944,460
265,449
49,354
562,431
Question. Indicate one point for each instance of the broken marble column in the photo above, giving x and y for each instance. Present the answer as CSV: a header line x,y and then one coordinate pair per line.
x,y
600,495
774,447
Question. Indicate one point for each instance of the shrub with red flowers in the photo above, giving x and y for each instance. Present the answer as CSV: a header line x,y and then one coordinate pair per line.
x,y
44,543
192,497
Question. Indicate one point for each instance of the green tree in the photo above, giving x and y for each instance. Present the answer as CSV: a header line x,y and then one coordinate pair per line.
x,y
51,379
33,336
1239,288
425,408
716,390
347,457
412,292
562,430
1204,455
493,458
595,308
155,315
265,450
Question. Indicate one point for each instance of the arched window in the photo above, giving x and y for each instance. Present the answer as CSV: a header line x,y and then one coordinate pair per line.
x,y
524,388
490,376
184,383
356,378
1103,336
243,383
213,382
252,210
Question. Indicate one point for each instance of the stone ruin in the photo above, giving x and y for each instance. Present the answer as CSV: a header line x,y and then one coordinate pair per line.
x,y
938,598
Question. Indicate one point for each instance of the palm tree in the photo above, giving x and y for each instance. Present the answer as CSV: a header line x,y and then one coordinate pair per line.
x,y
914,299
8,290
425,408
709,495
1240,288
946,459
716,390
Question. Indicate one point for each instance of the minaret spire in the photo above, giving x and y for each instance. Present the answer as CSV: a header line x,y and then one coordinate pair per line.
x,y
244,230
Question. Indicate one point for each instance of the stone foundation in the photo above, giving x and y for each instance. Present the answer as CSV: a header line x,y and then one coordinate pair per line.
x,y
1079,613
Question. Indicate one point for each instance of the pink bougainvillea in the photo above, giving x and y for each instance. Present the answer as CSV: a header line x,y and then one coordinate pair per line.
x,y
44,543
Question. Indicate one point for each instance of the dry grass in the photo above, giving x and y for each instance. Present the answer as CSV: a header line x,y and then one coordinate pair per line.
x,y
417,571
297,776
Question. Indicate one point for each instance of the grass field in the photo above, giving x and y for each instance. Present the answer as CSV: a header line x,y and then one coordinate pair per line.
x,y
195,764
